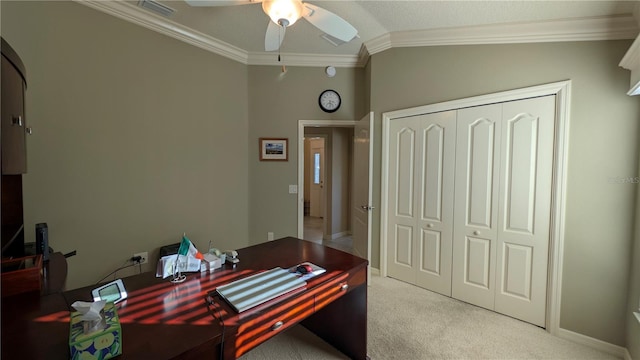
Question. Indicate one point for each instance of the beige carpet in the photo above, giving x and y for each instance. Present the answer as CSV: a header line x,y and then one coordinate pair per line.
x,y
407,322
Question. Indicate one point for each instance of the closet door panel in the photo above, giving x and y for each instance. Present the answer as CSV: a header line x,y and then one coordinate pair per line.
x,y
402,205
476,199
479,168
525,198
430,246
405,158
435,165
477,265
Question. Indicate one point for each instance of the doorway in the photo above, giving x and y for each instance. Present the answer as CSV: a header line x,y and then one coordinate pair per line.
x,y
327,186
358,141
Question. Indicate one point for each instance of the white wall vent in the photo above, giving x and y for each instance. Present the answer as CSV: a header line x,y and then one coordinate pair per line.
x,y
156,7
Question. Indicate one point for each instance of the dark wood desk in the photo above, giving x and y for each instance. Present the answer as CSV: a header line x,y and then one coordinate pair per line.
x,y
161,320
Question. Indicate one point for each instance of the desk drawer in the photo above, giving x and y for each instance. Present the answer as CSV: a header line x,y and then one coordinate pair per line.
x,y
340,286
270,323
265,324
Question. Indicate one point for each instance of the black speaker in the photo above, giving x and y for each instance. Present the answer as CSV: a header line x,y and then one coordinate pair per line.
x,y
42,240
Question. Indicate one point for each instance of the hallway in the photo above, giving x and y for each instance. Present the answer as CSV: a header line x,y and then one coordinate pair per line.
x,y
313,232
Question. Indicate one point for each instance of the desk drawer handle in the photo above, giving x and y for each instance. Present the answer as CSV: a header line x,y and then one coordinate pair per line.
x,y
344,287
277,326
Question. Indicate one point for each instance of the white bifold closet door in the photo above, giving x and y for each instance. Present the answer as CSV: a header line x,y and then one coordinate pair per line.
x,y
476,204
420,231
469,196
504,158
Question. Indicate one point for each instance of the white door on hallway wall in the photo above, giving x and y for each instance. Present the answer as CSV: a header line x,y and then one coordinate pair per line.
x,y
362,196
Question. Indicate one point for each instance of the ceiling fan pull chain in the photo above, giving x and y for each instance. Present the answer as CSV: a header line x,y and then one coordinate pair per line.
x,y
279,41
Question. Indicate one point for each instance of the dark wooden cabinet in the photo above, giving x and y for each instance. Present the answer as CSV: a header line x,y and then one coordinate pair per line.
x,y
14,129
13,150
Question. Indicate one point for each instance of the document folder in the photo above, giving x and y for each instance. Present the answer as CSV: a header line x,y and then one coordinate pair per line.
x,y
256,289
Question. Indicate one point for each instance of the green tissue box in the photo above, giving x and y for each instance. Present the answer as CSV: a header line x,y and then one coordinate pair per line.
x,y
105,343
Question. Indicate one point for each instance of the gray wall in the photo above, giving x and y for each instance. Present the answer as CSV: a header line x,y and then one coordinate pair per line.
x,y
276,104
603,143
137,138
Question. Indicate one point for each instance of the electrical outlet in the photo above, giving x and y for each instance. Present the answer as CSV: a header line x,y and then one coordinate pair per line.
x,y
143,255
269,236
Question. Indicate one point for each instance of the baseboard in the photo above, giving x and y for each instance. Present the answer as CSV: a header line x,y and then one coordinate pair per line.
x,y
375,271
340,234
594,343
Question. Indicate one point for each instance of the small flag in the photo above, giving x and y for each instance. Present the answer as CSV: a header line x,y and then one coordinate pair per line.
x,y
187,249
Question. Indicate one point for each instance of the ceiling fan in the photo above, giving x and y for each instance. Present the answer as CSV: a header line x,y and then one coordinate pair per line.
x,y
284,13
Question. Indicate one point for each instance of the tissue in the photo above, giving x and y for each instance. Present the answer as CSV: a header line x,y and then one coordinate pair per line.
x,y
89,310
95,330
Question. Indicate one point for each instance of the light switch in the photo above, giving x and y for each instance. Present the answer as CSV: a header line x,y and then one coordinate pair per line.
x,y
293,189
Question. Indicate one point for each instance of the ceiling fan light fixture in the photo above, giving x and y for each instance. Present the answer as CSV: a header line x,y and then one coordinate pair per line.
x,y
283,12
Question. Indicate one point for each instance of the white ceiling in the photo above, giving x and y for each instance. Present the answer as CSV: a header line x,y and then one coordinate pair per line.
x,y
238,31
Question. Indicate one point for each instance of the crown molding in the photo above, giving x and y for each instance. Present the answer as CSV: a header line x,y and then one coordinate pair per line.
x,y
135,15
583,29
631,60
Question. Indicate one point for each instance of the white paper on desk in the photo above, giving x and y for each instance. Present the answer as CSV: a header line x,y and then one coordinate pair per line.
x,y
167,265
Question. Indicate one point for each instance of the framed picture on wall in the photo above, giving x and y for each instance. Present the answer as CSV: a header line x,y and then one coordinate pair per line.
x,y
274,149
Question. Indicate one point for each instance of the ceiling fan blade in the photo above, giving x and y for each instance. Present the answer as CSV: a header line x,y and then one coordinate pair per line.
x,y
202,3
329,22
274,36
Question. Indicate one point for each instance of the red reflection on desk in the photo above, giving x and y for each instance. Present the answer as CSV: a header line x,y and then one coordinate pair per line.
x,y
60,316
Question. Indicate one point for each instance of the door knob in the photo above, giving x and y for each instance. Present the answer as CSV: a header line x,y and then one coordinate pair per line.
x,y
476,233
429,225
366,207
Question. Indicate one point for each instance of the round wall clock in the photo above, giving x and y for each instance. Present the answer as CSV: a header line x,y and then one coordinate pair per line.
x,y
329,101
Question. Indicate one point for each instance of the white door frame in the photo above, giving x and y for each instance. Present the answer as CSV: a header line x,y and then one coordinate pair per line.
x,y
562,90
301,125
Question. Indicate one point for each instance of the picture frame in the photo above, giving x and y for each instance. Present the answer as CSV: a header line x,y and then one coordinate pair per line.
x,y
274,149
